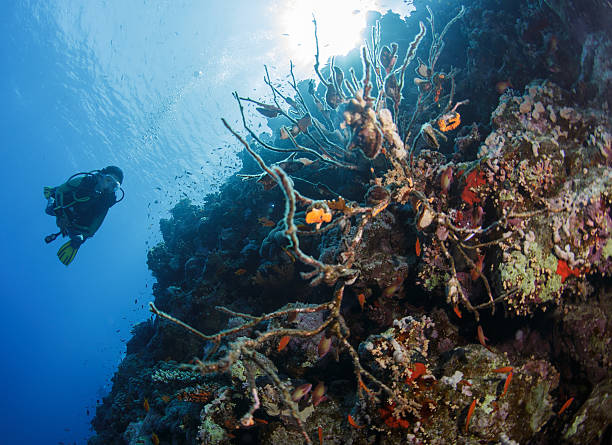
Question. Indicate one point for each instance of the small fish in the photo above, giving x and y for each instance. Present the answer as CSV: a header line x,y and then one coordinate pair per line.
x,y
457,311
166,399
283,342
503,369
469,414
393,288
352,422
266,222
565,406
508,379
301,391
361,298
145,404
262,421
502,86
476,271
318,394
240,272
417,247
154,439
324,346
87,412
481,337
364,387
320,430
446,179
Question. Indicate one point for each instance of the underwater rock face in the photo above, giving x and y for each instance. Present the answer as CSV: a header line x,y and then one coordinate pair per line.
x,y
344,293
438,389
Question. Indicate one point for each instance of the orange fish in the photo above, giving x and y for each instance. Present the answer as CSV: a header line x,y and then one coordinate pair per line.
x,y
154,439
166,399
361,298
475,272
457,311
266,222
417,247
352,422
320,435
565,406
469,414
503,369
283,342
240,272
481,337
508,379
145,404
365,388
265,422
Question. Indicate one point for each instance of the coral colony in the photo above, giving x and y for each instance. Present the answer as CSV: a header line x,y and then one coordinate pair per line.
x,y
342,288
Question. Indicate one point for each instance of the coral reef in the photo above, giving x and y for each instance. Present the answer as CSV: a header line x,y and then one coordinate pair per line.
x,y
342,286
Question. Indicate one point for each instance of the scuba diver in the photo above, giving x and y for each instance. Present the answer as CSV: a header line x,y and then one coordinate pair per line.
x,y
80,205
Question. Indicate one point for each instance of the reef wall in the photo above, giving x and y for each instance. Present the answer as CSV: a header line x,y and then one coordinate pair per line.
x,y
420,252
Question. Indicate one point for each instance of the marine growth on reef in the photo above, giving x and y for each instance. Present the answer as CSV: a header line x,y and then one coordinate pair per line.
x,y
405,259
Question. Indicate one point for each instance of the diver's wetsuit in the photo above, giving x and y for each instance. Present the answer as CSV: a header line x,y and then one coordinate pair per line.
x,y
79,207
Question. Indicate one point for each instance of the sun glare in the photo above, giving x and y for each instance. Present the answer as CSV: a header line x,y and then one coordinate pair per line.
x,y
339,27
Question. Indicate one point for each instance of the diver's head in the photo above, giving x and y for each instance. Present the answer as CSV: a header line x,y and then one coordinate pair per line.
x,y
114,171
111,178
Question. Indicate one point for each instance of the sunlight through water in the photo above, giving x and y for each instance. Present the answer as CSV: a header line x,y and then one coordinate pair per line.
x,y
339,26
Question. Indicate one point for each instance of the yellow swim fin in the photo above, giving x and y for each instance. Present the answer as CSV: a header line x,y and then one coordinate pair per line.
x,y
67,252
